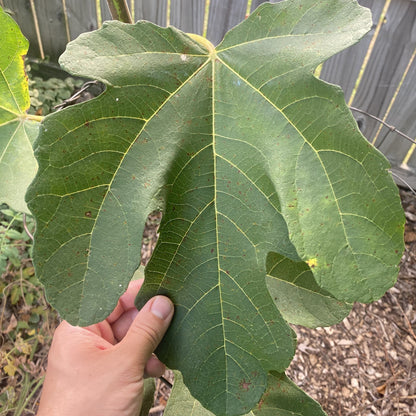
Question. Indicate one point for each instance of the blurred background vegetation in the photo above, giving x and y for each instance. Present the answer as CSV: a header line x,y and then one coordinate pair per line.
x,y
27,321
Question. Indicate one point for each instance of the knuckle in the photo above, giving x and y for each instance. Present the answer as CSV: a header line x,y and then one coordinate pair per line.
x,y
148,333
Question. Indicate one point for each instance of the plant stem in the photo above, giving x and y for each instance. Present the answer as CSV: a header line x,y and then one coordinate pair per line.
x,y
206,18
119,10
68,33
98,13
37,30
26,228
32,390
33,117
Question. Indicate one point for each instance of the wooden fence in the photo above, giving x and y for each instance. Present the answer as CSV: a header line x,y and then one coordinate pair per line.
x,y
378,74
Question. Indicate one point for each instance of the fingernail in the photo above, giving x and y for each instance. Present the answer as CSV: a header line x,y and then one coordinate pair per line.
x,y
161,307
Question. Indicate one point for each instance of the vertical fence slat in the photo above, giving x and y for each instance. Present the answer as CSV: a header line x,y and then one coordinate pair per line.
x,y
392,52
403,116
402,83
367,57
66,18
223,15
343,68
188,16
389,59
52,26
81,19
105,11
154,11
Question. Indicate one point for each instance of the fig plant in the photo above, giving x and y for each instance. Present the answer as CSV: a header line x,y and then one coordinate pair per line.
x,y
276,209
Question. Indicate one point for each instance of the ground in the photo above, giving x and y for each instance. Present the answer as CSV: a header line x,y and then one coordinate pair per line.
x,y
364,366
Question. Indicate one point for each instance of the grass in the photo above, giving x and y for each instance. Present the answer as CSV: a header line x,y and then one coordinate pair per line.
x,y
26,320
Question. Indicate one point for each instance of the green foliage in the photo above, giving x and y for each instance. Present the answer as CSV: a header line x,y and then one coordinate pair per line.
x,y
269,193
25,319
46,94
148,396
247,154
15,244
297,295
281,398
17,130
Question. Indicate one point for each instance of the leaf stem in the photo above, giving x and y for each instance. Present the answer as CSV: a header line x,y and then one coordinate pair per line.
x,y
32,117
120,11
202,41
26,227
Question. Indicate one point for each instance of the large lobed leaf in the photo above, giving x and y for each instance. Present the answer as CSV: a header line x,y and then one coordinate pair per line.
x,y
247,154
17,133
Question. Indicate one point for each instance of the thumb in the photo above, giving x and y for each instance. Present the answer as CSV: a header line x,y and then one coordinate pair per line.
x,y
147,330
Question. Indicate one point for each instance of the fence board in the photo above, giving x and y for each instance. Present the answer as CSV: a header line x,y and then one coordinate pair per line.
x,y
223,15
105,11
154,11
52,26
188,15
390,58
392,52
403,113
81,19
343,68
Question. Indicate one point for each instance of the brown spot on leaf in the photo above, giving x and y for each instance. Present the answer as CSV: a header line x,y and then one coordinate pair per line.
x,y
245,385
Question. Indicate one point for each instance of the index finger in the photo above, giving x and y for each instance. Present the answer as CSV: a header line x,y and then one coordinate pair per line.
x,y
126,301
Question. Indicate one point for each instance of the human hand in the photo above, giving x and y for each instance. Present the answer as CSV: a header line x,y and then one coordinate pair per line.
x,y
99,370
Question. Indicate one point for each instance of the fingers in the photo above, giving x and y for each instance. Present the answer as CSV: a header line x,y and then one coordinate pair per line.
x,y
104,330
74,338
126,301
154,368
121,326
147,330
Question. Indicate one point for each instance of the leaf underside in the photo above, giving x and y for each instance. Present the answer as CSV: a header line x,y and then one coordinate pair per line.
x,y
281,398
297,296
17,162
248,156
